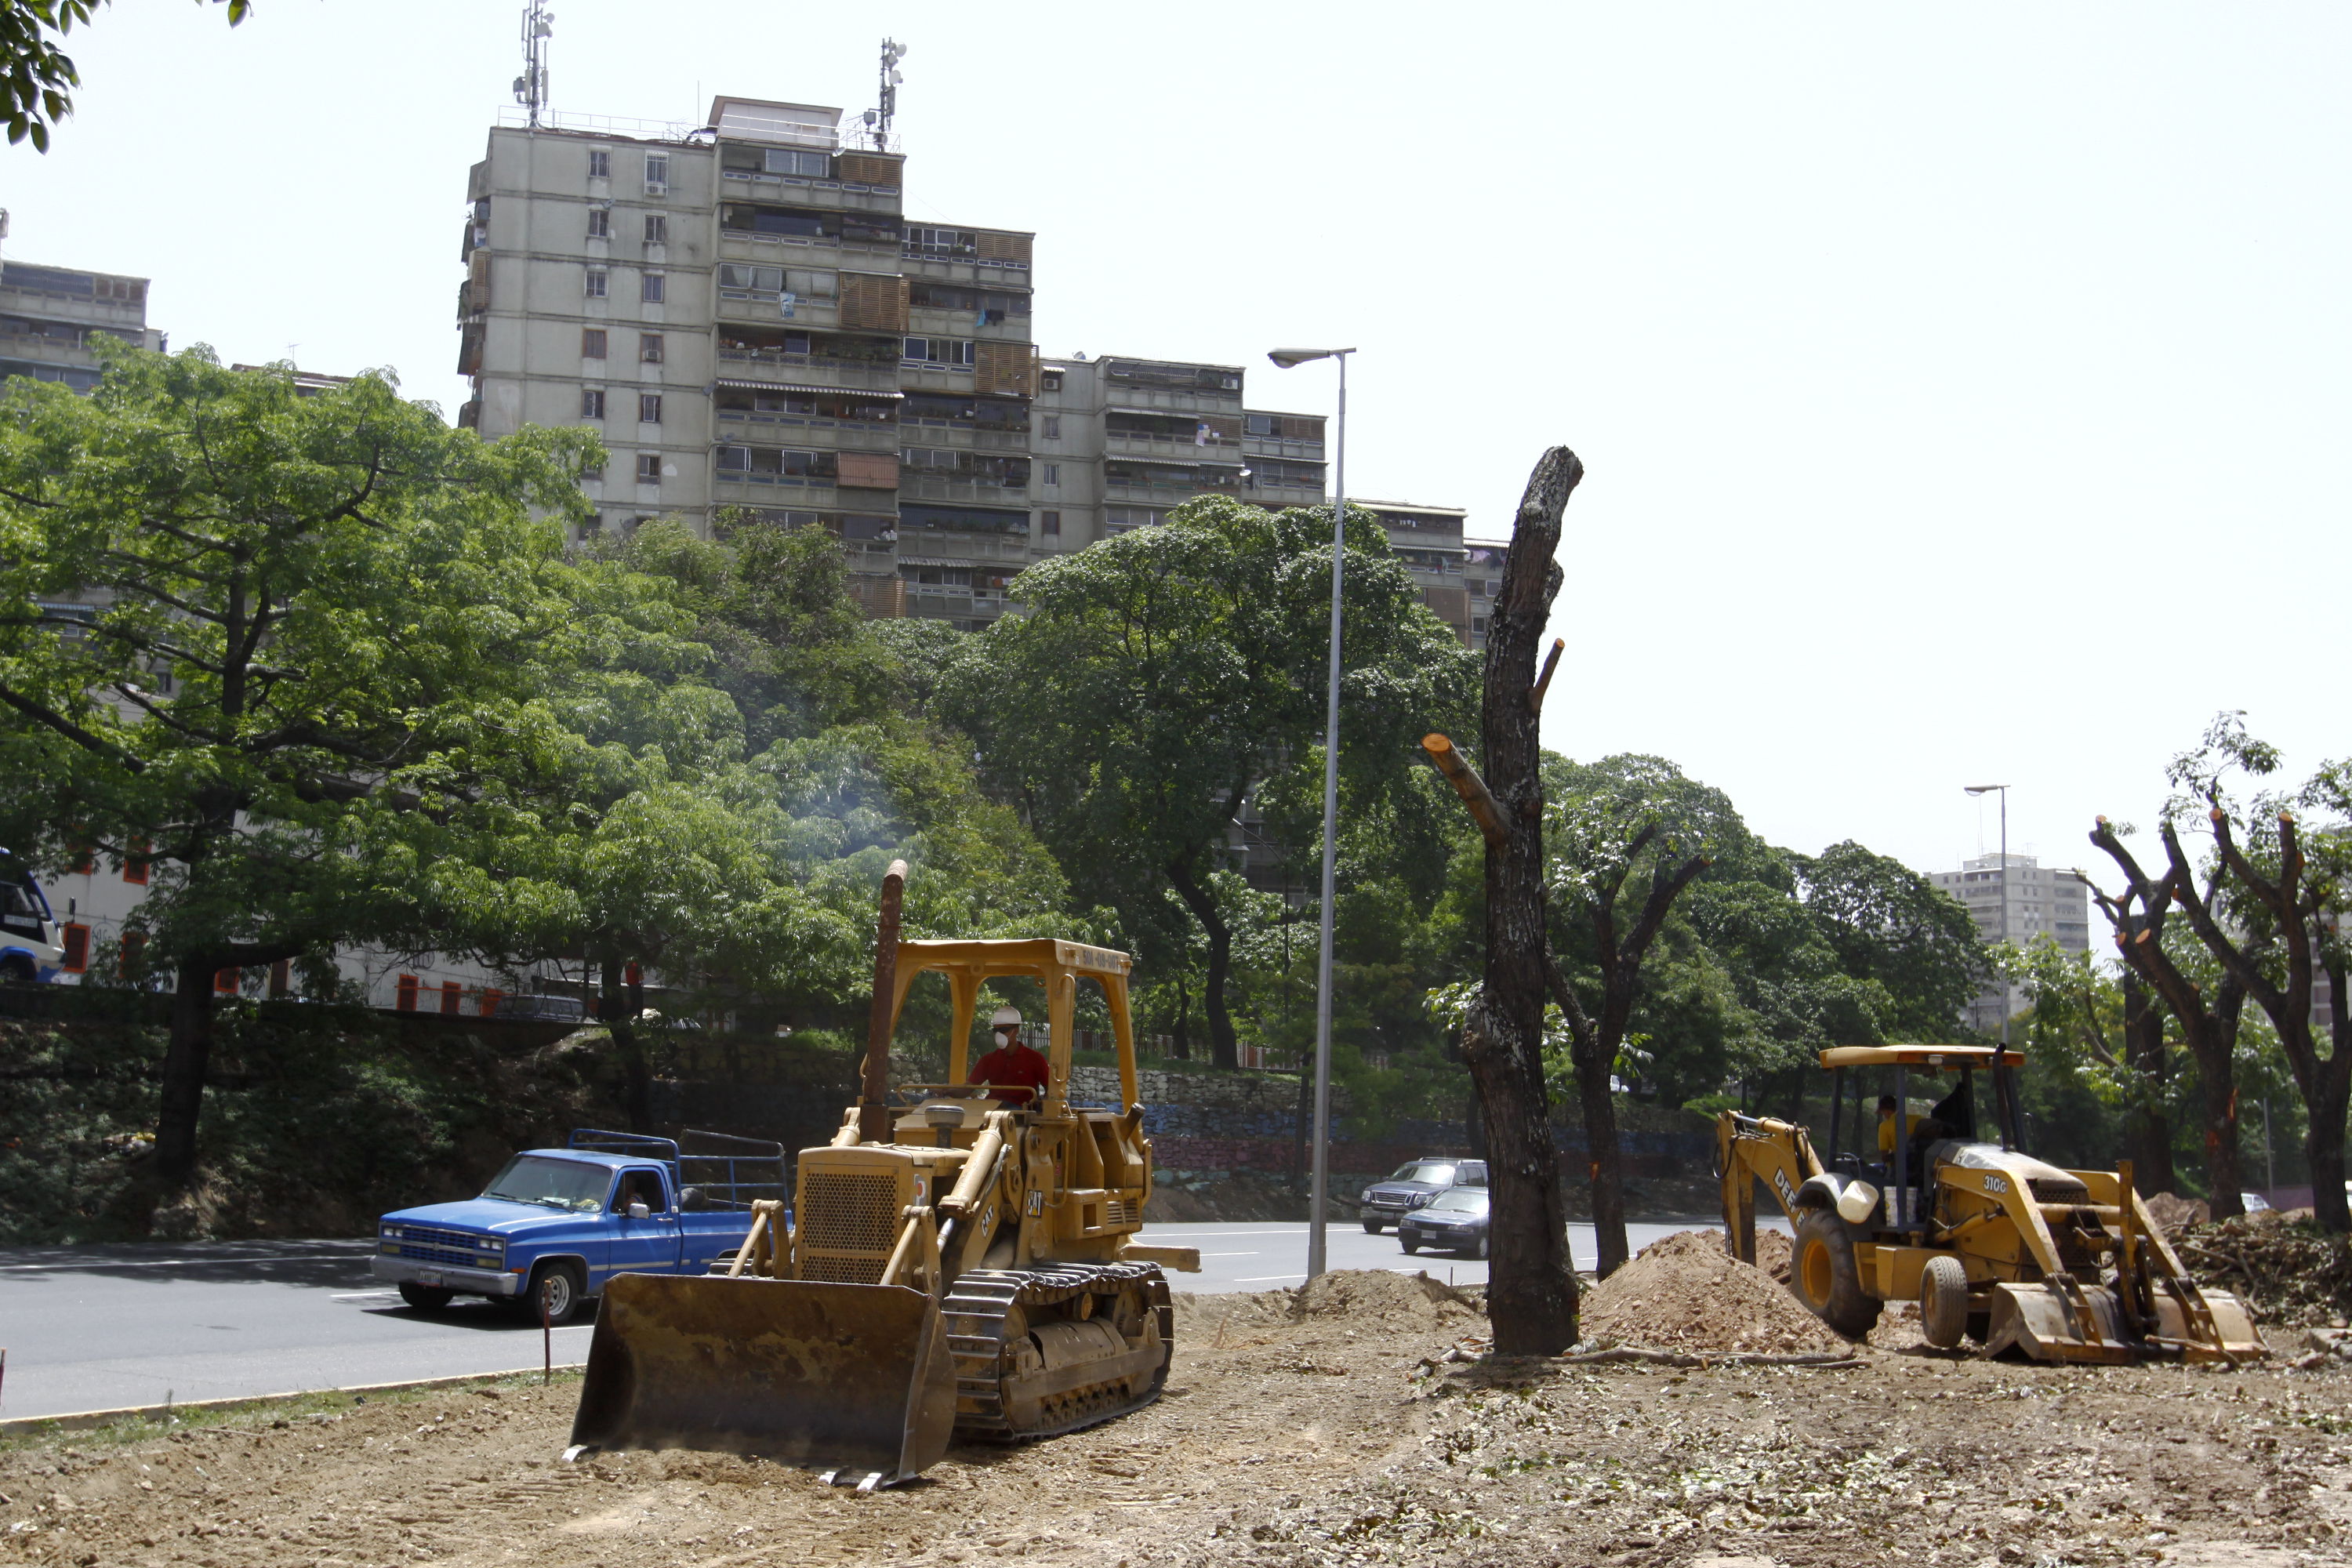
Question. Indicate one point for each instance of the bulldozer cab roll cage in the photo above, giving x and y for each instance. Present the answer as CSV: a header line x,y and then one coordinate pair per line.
x,y
1055,965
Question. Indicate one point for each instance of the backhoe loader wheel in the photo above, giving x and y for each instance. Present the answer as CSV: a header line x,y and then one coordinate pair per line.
x,y
1826,1279
1944,1302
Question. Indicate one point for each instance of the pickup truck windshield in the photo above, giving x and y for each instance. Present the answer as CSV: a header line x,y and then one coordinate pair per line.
x,y
556,1183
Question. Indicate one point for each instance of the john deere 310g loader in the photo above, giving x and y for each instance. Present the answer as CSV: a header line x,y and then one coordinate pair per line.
x,y
1994,1245
950,1263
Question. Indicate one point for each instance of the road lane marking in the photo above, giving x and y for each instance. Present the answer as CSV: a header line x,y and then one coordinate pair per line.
x,y
177,1262
1262,1279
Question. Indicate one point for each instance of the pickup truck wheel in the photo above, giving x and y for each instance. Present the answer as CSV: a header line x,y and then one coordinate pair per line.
x,y
18,969
566,1292
1372,1227
426,1297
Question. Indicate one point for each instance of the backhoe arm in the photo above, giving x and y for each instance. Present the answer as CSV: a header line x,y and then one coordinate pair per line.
x,y
1749,1149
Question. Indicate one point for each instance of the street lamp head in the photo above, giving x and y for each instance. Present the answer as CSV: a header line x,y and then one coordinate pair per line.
x,y
1290,358
1982,789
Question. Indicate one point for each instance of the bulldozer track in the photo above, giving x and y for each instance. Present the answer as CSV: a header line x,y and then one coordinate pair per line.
x,y
975,1312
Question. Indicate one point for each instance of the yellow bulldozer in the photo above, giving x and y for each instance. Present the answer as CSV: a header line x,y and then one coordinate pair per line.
x,y
962,1257
1994,1246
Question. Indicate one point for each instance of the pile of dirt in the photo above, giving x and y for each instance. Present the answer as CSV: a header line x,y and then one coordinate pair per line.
x,y
1685,1293
2172,1211
2284,1266
1376,1295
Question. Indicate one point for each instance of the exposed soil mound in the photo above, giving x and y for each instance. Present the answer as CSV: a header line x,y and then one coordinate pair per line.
x,y
2172,1211
2284,1266
1685,1293
1378,1297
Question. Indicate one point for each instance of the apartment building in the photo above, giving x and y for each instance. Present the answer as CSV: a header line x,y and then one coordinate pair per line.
x,y
2017,902
744,313
49,316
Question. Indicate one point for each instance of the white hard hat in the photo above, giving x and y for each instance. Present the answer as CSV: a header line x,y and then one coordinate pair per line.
x,y
1005,1017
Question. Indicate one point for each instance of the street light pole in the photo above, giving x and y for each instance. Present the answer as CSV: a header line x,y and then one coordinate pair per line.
x,y
1319,1188
2003,790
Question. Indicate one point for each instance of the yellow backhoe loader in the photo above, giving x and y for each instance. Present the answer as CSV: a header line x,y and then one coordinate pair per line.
x,y
956,1261
1994,1245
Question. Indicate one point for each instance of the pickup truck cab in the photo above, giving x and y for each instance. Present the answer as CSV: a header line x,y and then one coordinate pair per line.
x,y
562,1222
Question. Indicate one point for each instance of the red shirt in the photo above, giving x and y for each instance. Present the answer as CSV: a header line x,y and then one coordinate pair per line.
x,y
1012,1066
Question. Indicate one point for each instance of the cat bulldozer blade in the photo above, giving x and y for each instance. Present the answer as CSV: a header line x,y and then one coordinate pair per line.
x,y
1994,1246
963,1259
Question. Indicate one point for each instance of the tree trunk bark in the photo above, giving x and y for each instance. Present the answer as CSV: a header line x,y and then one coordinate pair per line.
x,y
2148,1132
2213,1040
1531,1286
2323,1141
1605,1160
185,1060
1222,1045
637,1082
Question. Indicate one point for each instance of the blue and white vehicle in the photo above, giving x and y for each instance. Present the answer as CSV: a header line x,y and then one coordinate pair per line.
x,y
559,1223
32,947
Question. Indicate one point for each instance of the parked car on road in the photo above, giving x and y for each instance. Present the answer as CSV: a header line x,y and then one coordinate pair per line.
x,y
562,1222
1453,1221
1414,1186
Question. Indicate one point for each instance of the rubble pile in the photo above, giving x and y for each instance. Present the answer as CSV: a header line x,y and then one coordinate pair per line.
x,y
2285,1267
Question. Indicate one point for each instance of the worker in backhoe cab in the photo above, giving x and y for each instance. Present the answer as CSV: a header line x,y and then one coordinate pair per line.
x,y
1013,1070
1887,1109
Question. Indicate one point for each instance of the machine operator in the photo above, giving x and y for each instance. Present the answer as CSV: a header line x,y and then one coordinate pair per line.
x,y
1015,1071
1887,1109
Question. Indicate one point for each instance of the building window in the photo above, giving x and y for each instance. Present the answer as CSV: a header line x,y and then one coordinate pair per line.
x,y
1053,473
134,864
491,997
656,173
593,471
592,342
600,164
281,978
1049,523
956,352
453,996
600,223
657,228
1050,426
595,283
649,347
592,403
226,981
808,165
405,994
649,408
77,944
649,468
650,287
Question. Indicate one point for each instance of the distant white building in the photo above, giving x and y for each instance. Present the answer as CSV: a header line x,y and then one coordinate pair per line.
x,y
2017,902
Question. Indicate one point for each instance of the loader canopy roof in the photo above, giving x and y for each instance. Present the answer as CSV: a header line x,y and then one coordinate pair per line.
x,y
1919,1057
1058,964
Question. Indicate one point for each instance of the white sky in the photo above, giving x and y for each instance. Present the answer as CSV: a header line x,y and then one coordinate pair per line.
x,y
1943,373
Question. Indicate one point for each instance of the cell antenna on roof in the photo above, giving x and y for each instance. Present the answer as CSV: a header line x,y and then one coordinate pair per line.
x,y
530,87
877,120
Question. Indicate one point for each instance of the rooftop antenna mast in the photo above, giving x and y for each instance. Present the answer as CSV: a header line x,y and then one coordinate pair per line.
x,y
878,120
530,87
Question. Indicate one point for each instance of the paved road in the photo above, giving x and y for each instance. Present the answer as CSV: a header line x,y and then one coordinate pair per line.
x,y
100,1328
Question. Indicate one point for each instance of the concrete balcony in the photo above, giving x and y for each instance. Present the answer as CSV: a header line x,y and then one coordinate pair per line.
x,y
1267,495
807,429
766,311
1184,451
954,434
1271,447
1119,394
915,485
775,366
32,347
936,378
734,486
792,190
1165,495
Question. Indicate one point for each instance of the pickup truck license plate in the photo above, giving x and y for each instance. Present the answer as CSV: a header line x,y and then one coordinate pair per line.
x,y
429,1276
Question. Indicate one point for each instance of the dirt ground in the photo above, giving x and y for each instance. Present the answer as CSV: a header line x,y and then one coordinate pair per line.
x,y
1355,1423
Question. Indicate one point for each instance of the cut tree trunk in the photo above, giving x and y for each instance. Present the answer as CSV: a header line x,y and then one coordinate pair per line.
x,y
1223,1048
2148,1133
1531,1286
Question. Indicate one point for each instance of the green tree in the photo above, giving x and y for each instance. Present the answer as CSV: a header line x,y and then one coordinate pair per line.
x,y
37,75
1888,923
1162,676
315,626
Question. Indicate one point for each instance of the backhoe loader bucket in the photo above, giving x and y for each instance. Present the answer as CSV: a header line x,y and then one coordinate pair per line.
x,y
2047,1321
850,1378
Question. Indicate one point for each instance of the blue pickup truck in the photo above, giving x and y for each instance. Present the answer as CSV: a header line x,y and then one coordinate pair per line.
x,y
560,1222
